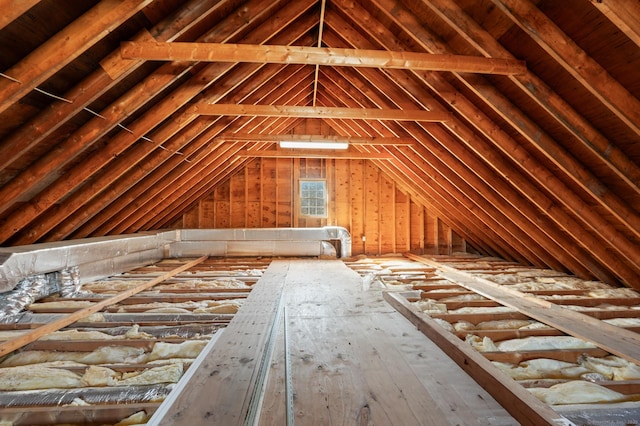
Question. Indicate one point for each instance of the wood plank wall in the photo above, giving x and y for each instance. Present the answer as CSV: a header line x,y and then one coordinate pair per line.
x,y
380,216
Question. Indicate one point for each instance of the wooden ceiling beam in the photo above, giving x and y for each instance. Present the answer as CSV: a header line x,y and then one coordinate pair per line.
x,y
357,92
579,221
538,91
352,140
305,55
538,138
574,60
461,170
64,47
98,83
624,14
318,112
136,159
12,9
124,139
155,170
109,118
147,200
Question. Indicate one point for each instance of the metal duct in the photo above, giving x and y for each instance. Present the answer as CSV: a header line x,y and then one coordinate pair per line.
x,y
261,242
94,257
25,293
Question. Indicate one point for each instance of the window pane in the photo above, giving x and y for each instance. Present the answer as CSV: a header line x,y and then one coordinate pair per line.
x,y
313,199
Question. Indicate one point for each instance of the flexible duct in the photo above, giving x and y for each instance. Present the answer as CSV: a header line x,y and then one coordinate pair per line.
x,y
25,293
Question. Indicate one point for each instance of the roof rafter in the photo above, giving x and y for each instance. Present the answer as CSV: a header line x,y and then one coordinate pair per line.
x,y
65,46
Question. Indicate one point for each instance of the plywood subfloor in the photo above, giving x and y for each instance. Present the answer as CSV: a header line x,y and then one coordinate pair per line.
x,y
353,360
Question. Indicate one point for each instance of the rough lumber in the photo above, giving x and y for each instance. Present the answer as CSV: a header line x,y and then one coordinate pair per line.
x,y
12,9
521,404
228,374
539,92
319,112
527,171
96,84
616,340
305,55
133,99
527,128
574,60
12,345
65,46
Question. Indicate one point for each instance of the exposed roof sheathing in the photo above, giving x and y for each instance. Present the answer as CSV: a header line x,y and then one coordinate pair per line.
x,y
538,156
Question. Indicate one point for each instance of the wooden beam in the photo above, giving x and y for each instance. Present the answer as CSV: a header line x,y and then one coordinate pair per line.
x,y
13,344
353,140
574,60
97,83
519,402
305,55
319,112
624,14
65,46
307,153
537,90
616,340
580,219
12,9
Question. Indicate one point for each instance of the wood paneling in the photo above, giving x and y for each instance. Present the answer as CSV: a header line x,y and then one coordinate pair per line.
x,y
361,198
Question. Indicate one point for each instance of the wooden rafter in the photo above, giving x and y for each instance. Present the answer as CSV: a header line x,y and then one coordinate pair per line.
x,y
222,52
12,9
65,46
574,60
319,112
530,130
539,92
528,171
247,137
624,14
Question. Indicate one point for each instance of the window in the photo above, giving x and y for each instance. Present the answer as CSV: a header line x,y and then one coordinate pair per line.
x,y
313,198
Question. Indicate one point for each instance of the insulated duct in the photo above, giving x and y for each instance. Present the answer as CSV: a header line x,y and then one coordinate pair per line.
x,y
261,242
79,261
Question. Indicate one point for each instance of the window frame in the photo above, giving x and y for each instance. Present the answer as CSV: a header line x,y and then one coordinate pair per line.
x,y
302,198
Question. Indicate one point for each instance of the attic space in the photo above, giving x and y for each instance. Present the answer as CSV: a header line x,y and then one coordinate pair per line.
x,y
319,211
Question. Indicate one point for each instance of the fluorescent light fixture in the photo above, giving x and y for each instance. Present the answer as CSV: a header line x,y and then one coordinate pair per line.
x,y
314,145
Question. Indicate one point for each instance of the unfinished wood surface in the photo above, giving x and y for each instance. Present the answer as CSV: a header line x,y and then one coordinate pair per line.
x,y
354,360
319,112
222,391
305,55
526,408
615,340
19,342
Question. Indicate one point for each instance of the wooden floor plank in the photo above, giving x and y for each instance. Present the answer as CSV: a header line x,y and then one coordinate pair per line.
x,y
356,360
221,391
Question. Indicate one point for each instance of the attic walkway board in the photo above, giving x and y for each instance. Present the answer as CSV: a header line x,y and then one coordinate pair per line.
x,y
354,360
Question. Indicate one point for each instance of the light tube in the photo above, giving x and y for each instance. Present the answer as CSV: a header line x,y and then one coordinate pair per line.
x,y
314,145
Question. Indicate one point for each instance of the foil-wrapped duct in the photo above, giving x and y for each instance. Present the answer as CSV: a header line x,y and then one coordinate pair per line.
x,y
25,293
69,281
